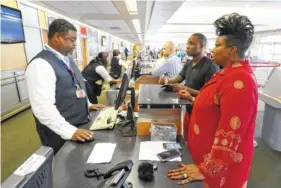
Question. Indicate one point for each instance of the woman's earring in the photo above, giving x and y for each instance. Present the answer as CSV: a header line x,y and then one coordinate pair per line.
x,y
230,58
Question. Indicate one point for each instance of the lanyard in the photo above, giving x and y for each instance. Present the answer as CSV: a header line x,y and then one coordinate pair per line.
x,y
75,81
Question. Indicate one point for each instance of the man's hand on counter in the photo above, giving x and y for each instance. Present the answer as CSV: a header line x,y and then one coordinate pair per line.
x,y
95,107
163,80
82,135
178,87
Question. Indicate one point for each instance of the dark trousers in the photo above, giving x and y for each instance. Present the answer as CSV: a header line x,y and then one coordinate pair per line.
x,y
91,93
48,137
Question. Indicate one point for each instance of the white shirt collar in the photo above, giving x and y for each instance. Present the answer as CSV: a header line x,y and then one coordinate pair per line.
x,y
56,52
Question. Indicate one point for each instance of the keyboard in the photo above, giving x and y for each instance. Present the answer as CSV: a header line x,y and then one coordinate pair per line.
x,y
105,120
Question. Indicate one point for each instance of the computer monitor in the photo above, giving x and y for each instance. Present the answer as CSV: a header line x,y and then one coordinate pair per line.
x,y
122,92
40,177
133,69
128,125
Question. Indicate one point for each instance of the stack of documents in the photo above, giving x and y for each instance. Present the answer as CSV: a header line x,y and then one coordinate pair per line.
x,y
102,153
150,149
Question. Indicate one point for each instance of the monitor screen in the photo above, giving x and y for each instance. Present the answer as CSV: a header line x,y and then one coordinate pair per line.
x,y
11,26
133,69
122,92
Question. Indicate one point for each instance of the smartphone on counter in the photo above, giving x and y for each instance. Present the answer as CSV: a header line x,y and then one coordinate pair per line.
x,y
172,146
168,155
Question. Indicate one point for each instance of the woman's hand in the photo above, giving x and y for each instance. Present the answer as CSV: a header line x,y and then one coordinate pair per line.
x,y
186,173
96,107
115,81
184,94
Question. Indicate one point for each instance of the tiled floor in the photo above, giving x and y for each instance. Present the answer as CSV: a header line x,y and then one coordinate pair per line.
x,y
266,166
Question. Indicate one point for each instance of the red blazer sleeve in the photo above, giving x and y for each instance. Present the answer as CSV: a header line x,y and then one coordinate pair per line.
x,y
237,99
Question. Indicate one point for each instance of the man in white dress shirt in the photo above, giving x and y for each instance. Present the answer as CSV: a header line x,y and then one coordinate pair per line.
x,y
57,91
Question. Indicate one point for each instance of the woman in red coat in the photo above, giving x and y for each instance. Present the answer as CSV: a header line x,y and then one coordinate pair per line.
x,y
221,130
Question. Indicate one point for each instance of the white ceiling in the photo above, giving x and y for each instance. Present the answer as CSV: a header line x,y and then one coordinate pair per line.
x,y
162,20
199,15
109,16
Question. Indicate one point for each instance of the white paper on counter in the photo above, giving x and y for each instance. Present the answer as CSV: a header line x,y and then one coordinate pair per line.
x,y
102,153
150,149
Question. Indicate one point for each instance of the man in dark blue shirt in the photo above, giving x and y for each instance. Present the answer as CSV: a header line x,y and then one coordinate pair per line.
x,y
126,51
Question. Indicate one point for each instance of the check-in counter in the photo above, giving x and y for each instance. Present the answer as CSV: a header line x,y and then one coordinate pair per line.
x,y
70,161
271,96
145,79
157,105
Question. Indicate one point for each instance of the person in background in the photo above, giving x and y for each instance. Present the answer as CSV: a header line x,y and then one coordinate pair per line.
x,y
160,61
126,52
56,90
95,74
116,65
224,112
135,53
172,66
180,54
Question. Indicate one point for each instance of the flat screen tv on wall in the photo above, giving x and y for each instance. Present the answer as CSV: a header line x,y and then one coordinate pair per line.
x,y
11,26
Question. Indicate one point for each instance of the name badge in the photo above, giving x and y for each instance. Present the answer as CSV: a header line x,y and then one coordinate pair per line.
x,y
80,93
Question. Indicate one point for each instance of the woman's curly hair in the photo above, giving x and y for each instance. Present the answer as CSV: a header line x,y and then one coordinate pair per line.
x,y
238,29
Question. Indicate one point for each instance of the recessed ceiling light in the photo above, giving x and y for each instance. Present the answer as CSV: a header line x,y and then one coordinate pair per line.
x,y
131,6
136,23
140,37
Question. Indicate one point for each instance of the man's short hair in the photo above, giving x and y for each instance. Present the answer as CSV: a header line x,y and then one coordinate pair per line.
x,y
60,26
202,38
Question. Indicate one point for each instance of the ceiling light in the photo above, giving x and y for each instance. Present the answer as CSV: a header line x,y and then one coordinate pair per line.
x,y
136,23
131,6
140,37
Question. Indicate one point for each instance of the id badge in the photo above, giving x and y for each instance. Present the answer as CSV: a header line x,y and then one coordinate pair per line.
x,y
80,93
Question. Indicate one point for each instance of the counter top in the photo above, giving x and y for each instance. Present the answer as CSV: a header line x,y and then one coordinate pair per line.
x,y
70,162
153,94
